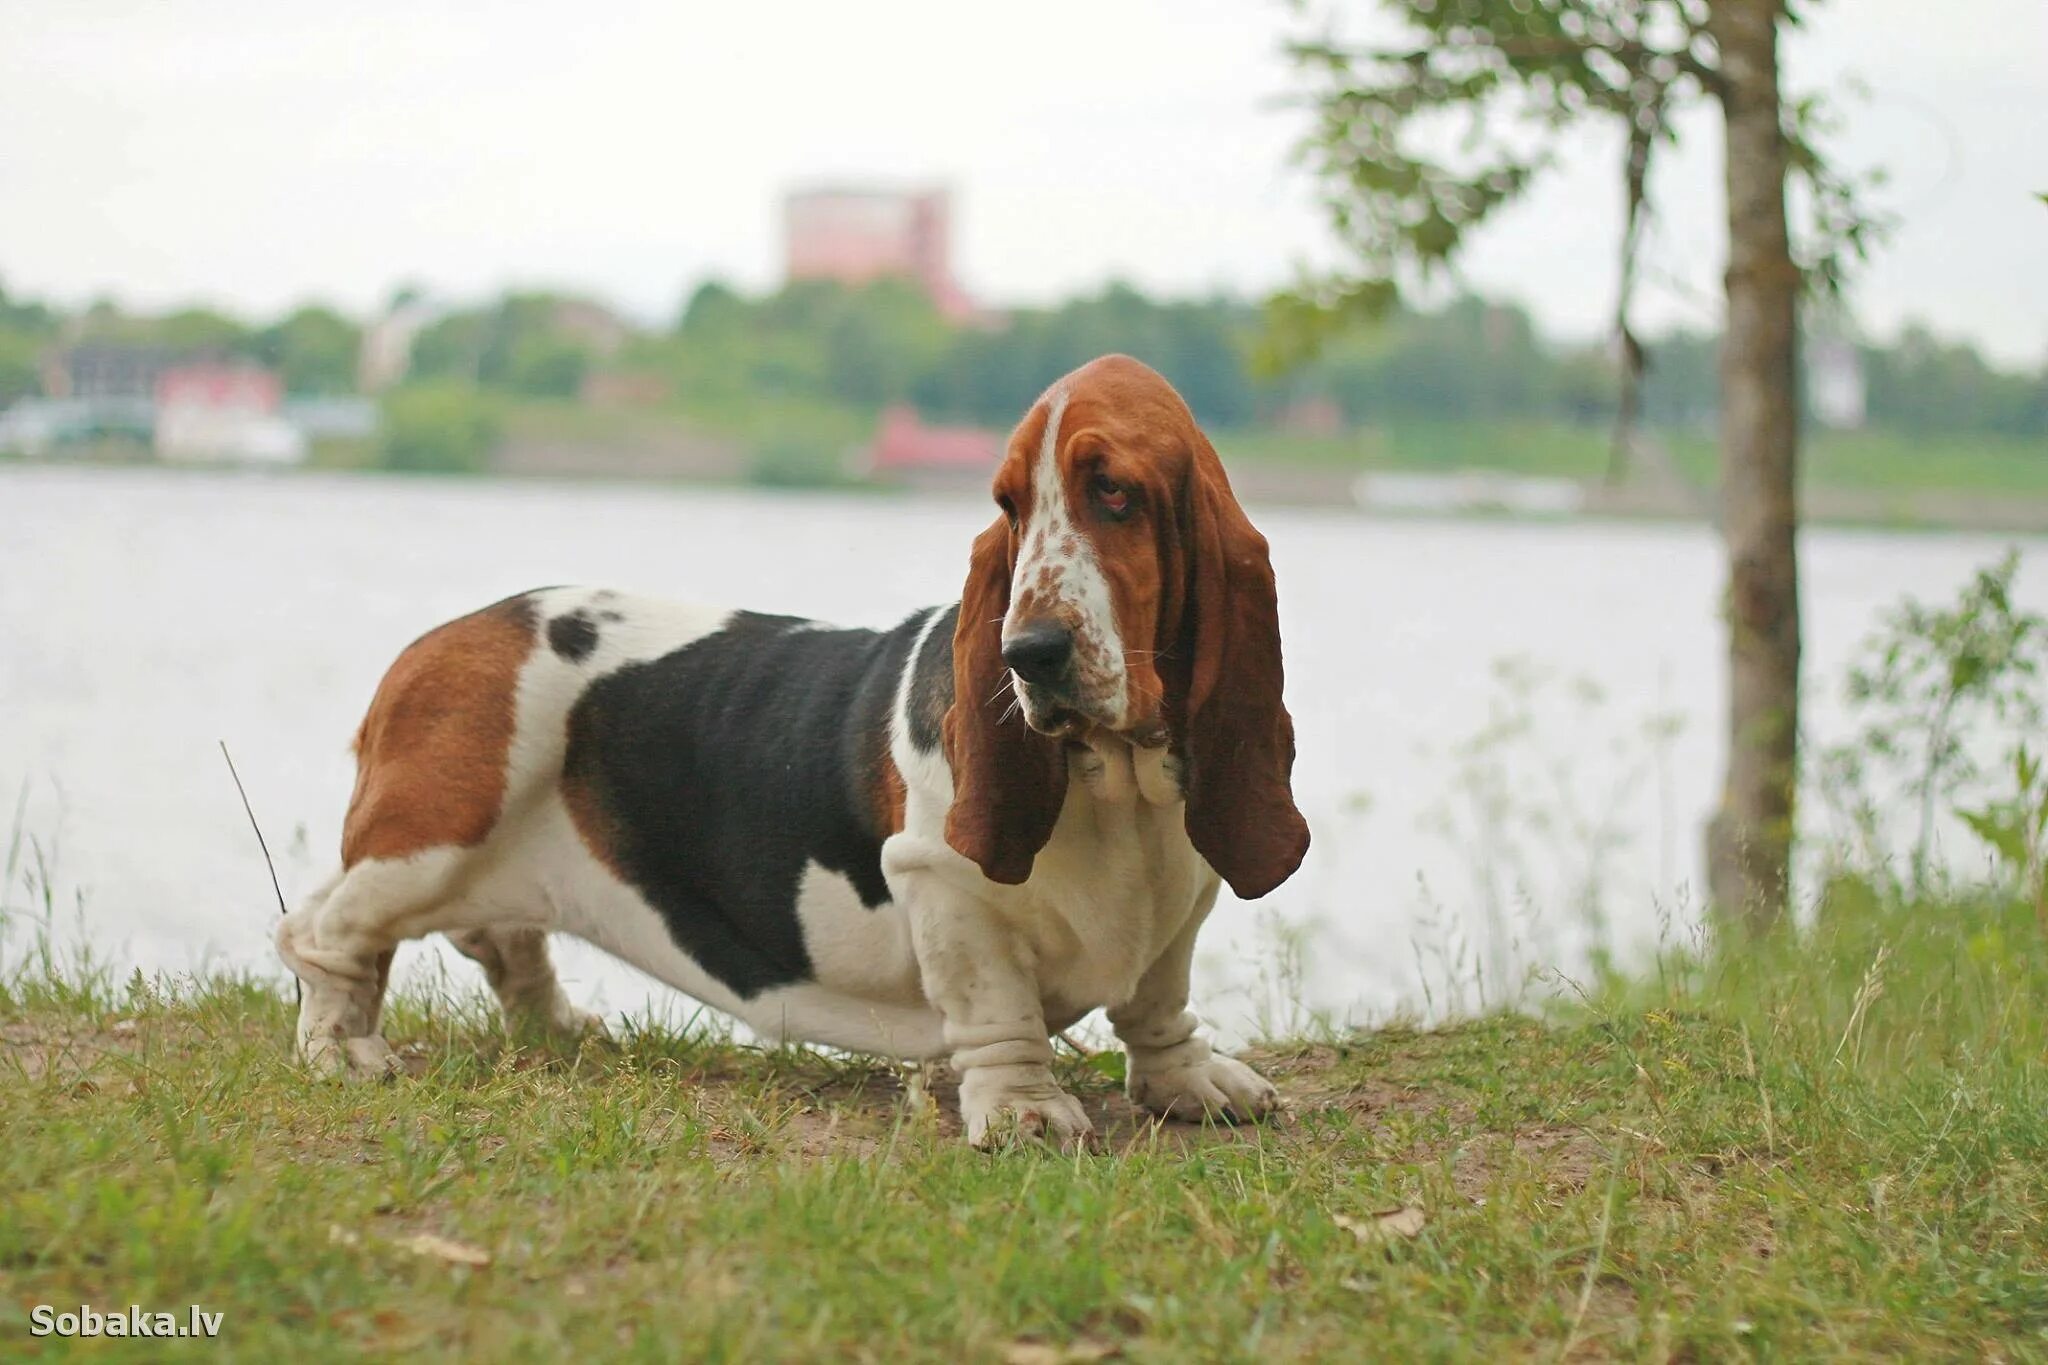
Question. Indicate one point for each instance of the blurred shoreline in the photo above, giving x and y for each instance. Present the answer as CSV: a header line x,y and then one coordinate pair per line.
x,y
1462,495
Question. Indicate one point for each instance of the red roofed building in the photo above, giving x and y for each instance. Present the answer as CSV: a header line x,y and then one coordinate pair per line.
x,y
220,386
855,236
905,447
224,411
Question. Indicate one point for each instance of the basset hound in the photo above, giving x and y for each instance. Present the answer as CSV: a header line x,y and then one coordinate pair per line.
x,y
952,838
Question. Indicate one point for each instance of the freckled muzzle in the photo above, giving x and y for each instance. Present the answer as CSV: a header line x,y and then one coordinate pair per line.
x,y
1061,683
1060,638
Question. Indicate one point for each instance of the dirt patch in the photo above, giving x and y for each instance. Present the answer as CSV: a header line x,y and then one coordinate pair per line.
x,y
1307,1078
1567,1158
813,1107
65,1057
837,1112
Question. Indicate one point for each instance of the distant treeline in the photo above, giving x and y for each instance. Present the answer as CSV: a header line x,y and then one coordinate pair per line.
x,y
314,348
884,343
1472,359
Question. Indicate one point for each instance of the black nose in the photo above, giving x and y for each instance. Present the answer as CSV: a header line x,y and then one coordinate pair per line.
x,y
1040,653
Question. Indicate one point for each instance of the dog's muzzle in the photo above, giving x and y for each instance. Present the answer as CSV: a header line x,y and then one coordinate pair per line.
x,y
1054,690
1041,654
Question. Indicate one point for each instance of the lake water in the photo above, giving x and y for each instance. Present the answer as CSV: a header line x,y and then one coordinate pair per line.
x,y
1478,810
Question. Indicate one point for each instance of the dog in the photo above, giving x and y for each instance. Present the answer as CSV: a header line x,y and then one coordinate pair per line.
x,y
952,838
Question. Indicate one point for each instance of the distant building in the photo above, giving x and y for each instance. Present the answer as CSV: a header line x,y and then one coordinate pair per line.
x,y
856,235
97,370
98,391
904,447
188,406
332,416
223,386
224,412
43,427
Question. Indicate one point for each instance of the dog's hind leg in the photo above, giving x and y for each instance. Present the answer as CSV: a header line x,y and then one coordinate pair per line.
x,y
341,942
516,963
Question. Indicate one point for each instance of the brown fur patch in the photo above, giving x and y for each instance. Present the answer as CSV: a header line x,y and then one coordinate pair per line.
x,y
431,754
890,793
595,825
1008,781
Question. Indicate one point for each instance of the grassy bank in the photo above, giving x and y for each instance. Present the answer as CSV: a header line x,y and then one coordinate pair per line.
x,y
1835,1148
792,441
1851,461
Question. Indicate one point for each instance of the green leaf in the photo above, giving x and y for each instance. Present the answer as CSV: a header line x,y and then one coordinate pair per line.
x,y
1996,827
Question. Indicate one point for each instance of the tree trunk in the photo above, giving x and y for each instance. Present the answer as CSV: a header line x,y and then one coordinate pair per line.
x,y
1749,840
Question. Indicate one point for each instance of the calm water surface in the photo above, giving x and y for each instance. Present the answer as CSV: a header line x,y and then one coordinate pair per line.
x,y
1476,702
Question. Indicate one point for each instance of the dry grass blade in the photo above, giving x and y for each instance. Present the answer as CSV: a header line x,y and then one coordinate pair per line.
x,y
1079,1351
1385,1227
445,1249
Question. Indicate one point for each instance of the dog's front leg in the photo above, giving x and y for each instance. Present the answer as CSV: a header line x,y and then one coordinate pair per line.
x,y
1172,1070
977,974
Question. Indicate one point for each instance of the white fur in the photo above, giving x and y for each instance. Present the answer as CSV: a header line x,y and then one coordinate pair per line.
x,y
1058,576
952,963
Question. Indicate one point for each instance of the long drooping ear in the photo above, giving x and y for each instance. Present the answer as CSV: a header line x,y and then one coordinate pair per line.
x,y
1238,736
1009,781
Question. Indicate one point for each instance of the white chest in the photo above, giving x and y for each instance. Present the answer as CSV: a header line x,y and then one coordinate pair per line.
x,y
1116,886
1118,882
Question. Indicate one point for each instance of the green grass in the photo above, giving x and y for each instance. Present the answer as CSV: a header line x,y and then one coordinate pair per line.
x,y
785,442
567,419
1884,461
1835,1148
804,441
1546,448
1858,461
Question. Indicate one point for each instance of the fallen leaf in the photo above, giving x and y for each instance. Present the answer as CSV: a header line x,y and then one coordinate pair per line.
x,y
443,1248
1079,1351
1386,1226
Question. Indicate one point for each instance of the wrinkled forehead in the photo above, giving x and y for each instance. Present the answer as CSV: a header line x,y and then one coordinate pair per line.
x,y
1142,428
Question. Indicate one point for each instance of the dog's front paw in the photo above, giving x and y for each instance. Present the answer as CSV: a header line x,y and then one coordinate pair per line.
x,y
351,1059
1003,1106
1216,1087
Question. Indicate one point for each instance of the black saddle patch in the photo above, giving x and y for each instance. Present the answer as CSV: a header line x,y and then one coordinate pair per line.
x,y
716,773
573,636
931,683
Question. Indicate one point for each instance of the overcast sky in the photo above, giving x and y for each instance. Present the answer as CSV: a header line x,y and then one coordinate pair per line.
x,y
254,153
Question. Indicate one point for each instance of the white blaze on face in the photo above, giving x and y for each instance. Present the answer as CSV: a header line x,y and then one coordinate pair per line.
x,y
1059,577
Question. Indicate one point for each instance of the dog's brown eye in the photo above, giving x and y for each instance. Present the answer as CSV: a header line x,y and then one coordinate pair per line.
x,y
1111,496
1009,511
